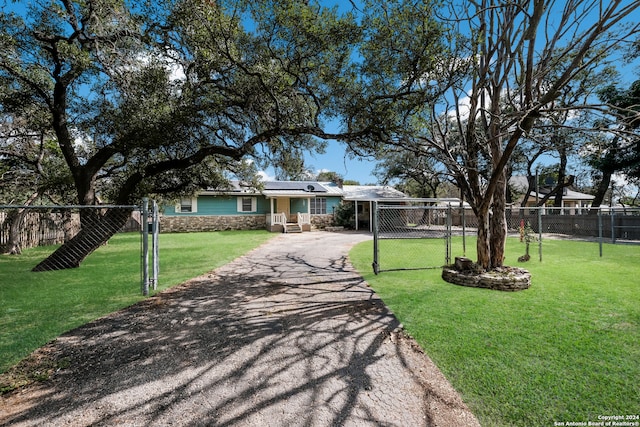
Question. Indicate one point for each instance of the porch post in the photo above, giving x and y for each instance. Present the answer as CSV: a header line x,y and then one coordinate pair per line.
x,y
271,202
356,213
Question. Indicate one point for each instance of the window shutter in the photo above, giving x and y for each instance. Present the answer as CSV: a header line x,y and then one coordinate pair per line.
x,y
247,204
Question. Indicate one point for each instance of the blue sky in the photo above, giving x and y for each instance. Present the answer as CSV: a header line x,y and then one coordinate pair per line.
x,y
335,160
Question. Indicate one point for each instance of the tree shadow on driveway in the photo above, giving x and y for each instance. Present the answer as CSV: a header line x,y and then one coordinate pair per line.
x,y
278,337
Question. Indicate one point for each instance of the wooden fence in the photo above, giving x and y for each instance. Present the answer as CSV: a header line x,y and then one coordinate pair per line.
x,y
32,227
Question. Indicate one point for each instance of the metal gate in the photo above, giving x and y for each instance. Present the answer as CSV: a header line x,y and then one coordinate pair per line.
x,y
421,228
27,226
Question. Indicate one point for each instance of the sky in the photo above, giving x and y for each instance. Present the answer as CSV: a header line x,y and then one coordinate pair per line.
x,y
334,159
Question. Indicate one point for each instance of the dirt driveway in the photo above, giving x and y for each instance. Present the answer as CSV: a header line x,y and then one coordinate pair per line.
x,y
287,335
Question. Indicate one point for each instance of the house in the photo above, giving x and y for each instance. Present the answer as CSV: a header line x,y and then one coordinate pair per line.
x,y
280,206
364,197
573,202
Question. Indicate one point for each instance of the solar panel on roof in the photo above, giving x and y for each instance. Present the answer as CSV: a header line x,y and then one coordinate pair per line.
x,y
309,186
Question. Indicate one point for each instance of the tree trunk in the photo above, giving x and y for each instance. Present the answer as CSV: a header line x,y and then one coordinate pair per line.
x,y
562,174
16,218
13,246
498,222
483,245
92,235
531,185
601,191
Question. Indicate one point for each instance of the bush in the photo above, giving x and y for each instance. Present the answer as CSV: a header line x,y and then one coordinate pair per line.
x,y
345,215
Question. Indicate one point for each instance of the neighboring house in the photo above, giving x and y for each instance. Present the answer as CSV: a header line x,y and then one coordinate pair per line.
x,y
280,206
573,202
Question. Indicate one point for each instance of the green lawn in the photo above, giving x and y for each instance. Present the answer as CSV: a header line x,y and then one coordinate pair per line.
x,y
565,350
37,307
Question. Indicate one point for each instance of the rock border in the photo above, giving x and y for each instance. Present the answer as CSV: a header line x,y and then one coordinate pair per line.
x,y
501,279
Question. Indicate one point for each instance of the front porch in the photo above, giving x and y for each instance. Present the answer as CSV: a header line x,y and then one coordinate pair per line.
x,y
286,214
281,223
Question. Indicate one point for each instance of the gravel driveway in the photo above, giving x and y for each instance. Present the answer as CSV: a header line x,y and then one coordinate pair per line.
x,y
287,335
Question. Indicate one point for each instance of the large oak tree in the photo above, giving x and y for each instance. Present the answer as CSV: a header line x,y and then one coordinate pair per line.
x,y
166,97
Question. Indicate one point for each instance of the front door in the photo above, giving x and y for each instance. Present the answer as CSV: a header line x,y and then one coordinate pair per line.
x,y
283,204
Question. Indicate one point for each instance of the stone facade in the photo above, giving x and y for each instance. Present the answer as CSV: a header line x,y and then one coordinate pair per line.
x,y
190,223
322,221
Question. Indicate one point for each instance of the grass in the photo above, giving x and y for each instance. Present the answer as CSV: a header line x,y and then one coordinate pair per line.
x,y
35,308
565,350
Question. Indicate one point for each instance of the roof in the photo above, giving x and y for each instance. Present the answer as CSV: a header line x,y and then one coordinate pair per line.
x,y
293,189
306,186
520,183
371,192
566,194
313,189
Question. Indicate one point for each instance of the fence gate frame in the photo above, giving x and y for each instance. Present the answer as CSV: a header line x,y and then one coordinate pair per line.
x,y
379,235
148,229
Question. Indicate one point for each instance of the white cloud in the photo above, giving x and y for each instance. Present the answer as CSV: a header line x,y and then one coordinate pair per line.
x,y
264,176
464,106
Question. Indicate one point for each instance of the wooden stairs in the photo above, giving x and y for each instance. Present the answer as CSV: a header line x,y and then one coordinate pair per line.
x,y
292,227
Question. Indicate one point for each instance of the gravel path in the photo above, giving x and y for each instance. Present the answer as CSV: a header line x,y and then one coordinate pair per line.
x,y
287,335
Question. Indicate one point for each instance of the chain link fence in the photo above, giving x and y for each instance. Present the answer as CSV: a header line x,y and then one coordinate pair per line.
x,y
424,226
423,233
74,232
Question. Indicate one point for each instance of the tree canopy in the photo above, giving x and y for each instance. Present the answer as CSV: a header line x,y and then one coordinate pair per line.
x,y
168,96
469,100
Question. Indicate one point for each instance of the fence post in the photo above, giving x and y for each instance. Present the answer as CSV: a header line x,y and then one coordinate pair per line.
x,y
155,227
145,246
464,228
540,233
448,235
613,227
600,230
375,264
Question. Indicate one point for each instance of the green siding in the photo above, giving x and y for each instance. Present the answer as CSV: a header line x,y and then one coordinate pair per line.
x,y
332,203
220,205
299,205
228,205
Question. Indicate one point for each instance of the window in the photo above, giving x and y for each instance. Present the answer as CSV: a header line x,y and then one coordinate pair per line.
x,y
247,204
318,206
187,205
